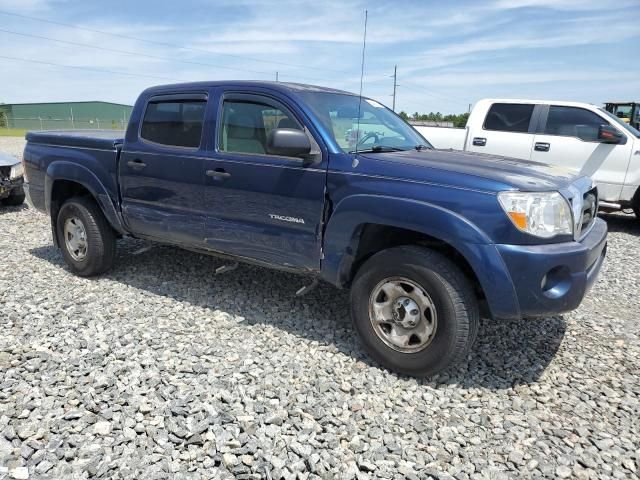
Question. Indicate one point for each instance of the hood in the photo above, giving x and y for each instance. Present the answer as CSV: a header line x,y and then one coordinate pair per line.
x,y
471,170
7,160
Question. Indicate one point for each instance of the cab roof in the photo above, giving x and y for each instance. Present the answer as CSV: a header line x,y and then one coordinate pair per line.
x,y
279,86
539,102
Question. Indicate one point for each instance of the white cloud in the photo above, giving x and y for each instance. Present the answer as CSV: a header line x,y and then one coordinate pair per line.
x,y
463,78
24,6
554,34
246,48
564,4
449,54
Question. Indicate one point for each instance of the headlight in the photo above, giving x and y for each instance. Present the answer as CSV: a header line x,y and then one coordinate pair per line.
x,y
17,171
543,214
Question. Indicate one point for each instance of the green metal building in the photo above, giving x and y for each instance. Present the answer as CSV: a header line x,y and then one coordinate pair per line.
x,y
64,115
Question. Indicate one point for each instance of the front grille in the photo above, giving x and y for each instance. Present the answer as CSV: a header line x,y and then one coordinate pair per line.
x,y
589,210
4,173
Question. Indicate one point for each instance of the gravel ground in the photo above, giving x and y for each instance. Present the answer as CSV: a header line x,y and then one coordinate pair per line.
x,y
162,369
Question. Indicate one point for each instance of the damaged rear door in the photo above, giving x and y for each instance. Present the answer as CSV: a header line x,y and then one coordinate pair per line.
x,y
161,172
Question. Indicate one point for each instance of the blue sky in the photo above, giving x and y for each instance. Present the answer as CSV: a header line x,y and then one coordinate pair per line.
x,y
449,54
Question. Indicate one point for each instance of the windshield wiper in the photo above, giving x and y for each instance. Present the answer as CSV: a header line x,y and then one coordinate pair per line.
x,y
422,147
378,149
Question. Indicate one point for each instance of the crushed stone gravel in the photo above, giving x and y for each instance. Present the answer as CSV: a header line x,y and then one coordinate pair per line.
x,y
162,369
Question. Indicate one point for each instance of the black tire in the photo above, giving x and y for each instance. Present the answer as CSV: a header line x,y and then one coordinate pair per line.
x,y
100,237
15,199
456,307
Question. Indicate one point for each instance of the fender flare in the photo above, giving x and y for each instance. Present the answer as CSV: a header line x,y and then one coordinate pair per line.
x,y
74,172
345,226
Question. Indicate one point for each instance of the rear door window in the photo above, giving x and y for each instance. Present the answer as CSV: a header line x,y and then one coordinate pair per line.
x,y
574,122
509,117
176,123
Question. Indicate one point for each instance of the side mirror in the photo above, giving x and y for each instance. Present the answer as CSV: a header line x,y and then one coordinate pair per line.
x,y
608,134
288,142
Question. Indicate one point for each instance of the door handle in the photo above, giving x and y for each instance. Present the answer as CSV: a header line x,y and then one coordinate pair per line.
x,y
541,147
479,141
136,164
218,173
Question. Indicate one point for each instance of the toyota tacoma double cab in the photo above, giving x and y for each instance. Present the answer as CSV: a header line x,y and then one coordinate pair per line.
x,y
273,174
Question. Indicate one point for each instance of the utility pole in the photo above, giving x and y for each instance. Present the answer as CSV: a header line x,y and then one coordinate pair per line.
x,y
395,84
276,76
469,111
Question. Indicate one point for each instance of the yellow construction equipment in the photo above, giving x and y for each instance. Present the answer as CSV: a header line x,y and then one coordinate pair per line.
x,y
628,112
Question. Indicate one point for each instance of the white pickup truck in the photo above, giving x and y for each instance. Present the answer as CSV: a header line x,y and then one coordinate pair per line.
x,y
578,136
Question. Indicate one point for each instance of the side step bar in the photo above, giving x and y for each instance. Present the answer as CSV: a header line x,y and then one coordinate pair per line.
x,y
611,206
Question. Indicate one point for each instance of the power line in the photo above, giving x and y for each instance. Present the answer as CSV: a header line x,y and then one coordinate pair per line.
x,y
90,69
416,88
156,57
422,90
167,44
115,72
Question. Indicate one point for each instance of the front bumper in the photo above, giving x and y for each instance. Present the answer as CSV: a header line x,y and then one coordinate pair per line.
x,y
8,187
554,278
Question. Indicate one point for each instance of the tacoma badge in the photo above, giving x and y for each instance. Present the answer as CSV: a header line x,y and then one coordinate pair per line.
x,y
286,219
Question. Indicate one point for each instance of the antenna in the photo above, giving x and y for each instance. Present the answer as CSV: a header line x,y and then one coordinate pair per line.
x,y
364,45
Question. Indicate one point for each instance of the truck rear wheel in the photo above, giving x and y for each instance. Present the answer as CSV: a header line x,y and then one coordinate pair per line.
x,y
87,241
414,310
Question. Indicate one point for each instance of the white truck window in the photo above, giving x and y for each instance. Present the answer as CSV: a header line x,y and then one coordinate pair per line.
x,y
509,117
574,122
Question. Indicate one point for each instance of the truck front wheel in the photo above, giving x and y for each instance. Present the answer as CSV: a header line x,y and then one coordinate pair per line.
x,y
86,239
414,310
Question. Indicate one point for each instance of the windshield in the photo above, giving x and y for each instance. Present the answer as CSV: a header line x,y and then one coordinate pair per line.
x,y
380,129
621,123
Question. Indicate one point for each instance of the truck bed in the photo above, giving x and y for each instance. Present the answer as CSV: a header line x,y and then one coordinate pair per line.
x,y
94,151
99,139
444,137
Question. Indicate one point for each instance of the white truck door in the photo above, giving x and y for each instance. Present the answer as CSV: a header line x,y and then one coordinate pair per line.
x,y
570,140
507,130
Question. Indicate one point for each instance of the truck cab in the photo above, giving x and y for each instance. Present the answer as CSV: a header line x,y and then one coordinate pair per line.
x,y
270,173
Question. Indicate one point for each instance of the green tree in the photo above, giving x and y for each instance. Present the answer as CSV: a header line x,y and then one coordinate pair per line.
x,y
4,121
458,120
404,115
461,120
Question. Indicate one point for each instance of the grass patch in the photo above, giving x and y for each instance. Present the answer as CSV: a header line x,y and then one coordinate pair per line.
x,y
12,132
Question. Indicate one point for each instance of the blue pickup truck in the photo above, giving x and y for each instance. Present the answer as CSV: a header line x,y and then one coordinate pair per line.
x,y
270,173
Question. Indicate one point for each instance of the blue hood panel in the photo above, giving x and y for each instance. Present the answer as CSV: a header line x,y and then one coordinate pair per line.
x,y
467,170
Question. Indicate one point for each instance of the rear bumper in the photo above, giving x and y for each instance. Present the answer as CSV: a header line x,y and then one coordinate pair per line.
x,y
554,278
